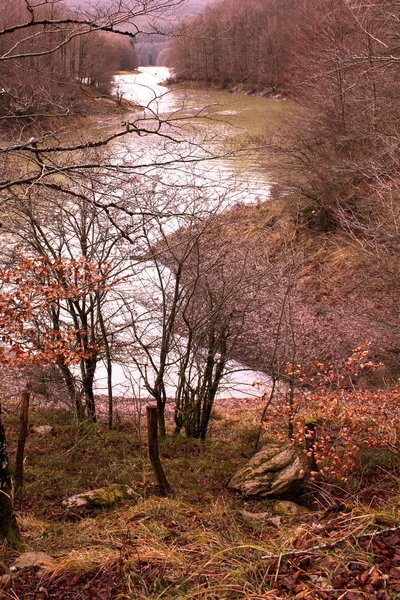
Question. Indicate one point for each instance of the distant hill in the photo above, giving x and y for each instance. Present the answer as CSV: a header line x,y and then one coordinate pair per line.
x,y
193,7
190,7
151,50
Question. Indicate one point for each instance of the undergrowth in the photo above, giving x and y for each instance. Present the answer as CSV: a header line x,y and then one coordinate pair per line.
x,y
200,544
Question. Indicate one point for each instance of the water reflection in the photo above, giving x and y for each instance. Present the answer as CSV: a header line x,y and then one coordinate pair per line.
x,y
202,164
219,134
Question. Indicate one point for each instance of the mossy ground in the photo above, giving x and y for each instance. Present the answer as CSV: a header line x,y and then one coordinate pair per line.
x,y
196,545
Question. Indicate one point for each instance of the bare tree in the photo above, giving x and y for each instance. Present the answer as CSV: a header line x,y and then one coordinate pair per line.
x,y
161,294
61,227
222,291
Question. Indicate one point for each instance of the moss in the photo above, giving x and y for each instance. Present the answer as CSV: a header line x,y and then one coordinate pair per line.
x,y
111,495
106,497
285,507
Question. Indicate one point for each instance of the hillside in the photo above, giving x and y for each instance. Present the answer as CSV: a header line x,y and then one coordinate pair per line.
x,y
151,48
331,237
321,295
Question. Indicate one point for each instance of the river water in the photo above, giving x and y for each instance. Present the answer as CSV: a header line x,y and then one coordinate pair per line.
x,y
219,121
220,126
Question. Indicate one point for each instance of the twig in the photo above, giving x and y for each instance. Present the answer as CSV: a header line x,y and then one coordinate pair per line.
x,y
364,536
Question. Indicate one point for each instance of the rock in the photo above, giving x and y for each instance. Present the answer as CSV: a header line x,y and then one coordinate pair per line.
x,y
261,518
255,516
31,559
276,521
285,507
101,498
275,471
42,429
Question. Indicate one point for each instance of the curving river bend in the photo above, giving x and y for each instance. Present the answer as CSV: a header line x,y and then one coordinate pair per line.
x,y
224,123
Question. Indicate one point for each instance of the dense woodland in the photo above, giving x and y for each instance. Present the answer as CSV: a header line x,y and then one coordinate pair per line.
x,y
339,156
108,260
44,67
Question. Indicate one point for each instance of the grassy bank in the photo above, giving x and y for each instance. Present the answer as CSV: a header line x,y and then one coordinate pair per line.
x,y
204,543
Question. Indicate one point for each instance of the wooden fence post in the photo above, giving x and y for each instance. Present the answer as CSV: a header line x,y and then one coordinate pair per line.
x,y
23,434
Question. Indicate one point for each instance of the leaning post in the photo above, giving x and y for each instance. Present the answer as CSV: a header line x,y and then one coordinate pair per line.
x,y
9,532
23,435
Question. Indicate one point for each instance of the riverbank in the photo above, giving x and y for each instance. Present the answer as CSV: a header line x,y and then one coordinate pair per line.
x,y
338,297
92,109
232,88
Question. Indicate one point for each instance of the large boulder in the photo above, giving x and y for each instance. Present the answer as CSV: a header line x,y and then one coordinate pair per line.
x,y
101,498
275,471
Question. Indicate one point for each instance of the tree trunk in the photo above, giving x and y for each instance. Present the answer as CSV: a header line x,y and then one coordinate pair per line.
x,y
161,420
23,434
87,385
110,394
108,361
152,429
73,392
9,532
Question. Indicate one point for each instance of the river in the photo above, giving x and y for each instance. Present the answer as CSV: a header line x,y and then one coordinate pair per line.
x,y
222,122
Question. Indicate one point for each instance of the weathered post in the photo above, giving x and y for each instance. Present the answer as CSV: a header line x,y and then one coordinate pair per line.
x,y
152,432
23,435
9,532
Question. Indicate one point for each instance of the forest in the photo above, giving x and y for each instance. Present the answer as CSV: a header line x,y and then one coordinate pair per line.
x,y
118,257
338,157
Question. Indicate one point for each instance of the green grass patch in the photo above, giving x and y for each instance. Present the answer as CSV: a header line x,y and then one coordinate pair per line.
x,y
200,544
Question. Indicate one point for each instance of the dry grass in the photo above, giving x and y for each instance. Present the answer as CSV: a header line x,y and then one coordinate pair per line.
x,y
195,546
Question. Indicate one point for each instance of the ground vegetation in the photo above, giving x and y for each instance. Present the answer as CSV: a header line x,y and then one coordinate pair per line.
x,y
118,263
197,545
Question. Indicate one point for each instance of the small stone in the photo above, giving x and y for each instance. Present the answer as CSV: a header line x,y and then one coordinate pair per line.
x,y
42,429
101,498
255,516
31,559
285,507
275,521
261,518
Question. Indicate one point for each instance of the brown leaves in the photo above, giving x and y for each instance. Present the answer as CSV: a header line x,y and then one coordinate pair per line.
x,y
332,576
103,585
332,421
33,292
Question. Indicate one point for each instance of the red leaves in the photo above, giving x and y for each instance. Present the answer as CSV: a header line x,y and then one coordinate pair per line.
x,y
344,419
32,293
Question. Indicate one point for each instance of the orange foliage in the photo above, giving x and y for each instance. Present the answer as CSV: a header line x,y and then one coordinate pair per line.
x,y
30,295
345,419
